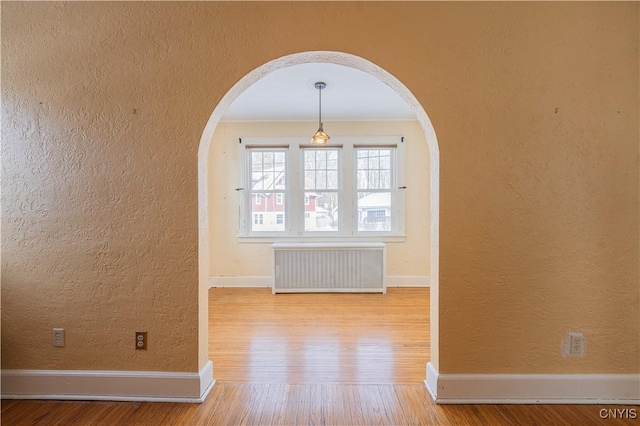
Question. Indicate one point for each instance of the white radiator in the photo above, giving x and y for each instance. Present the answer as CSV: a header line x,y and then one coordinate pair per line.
x,y
328,267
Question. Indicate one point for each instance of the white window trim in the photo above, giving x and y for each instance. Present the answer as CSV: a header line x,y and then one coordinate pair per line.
x,y
397,194
295,193
341,200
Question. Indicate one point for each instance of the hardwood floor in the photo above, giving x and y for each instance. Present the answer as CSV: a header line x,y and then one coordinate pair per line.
x,y
334,359
262,404
319,338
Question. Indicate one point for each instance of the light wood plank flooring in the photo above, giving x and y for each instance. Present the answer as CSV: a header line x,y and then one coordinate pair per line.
x,y
319,338
279,404
311,360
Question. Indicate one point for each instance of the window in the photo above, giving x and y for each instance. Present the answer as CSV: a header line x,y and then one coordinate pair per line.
x,y
321,174
348,189
268,179
373,186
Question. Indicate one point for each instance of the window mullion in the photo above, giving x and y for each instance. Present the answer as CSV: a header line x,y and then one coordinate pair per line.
x,y
295,194
347,184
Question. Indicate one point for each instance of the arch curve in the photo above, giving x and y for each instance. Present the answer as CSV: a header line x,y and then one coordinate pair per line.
x,y
338,58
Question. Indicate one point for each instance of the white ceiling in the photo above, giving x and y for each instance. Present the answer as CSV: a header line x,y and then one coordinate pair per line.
x,y
289,94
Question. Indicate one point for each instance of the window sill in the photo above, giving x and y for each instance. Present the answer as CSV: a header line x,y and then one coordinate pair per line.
x,y
322,239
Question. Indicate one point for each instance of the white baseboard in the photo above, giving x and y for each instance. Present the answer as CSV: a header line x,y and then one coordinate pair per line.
x,y
258,281
407,281
533,388
152,386
267,281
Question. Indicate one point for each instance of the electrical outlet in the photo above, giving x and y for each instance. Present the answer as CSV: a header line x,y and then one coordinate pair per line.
x,y
576,344
141,340
58,337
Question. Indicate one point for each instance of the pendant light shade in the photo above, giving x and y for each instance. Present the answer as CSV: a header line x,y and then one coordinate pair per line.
x,y
320,138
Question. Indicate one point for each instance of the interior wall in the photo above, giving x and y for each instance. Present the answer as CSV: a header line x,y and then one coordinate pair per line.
x,y
230,258
536,109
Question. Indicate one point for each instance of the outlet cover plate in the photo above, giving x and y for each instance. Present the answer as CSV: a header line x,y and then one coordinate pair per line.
x,y
576,344
141,340
58,337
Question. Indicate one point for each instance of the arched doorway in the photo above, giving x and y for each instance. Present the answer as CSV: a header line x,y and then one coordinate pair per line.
x,y
337,58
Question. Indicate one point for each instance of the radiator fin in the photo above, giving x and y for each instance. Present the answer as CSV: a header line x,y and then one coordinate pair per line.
x,y
329,269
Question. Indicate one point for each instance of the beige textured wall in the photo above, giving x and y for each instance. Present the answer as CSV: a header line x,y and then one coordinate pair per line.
x,y
536,110
230,258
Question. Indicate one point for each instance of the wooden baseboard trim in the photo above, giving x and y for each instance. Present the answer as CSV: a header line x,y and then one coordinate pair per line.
x,y
621,389
267,281
151,386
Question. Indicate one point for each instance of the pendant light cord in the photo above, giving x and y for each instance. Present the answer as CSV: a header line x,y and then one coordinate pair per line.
x,y
320,107
320,137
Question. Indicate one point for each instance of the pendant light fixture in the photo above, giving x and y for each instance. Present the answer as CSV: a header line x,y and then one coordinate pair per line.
x,y
320,138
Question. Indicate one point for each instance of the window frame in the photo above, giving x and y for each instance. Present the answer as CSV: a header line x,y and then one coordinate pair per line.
x,y
294,193
397,204
246,193
340,191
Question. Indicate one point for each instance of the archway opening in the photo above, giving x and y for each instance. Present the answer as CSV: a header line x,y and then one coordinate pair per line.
x,y
248,80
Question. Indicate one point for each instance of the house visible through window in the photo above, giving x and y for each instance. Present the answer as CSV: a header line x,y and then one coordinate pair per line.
x,y
268,177
373,168
346,189
321,183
